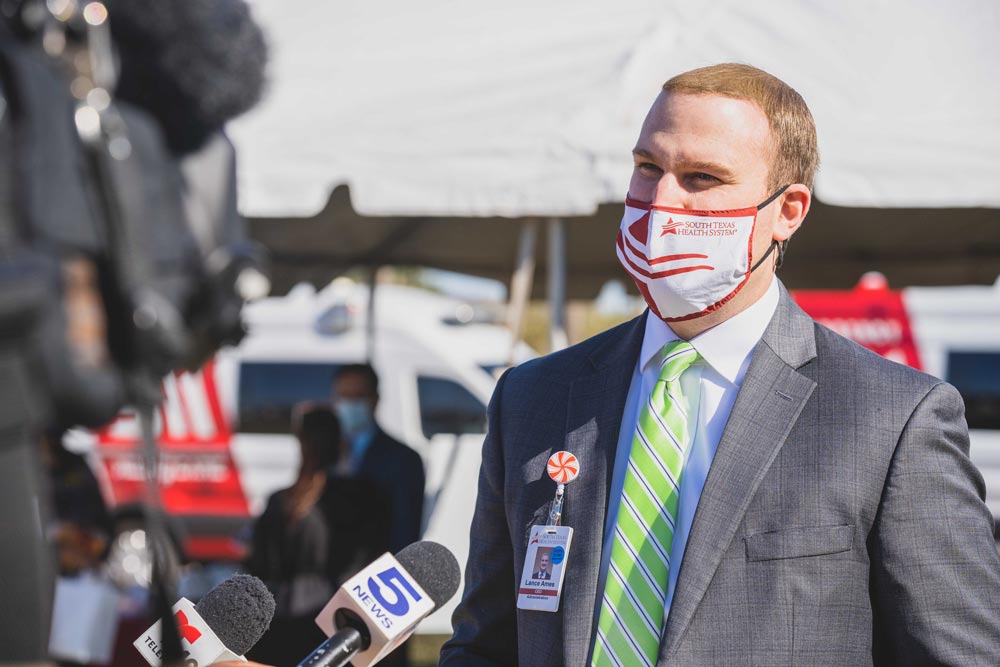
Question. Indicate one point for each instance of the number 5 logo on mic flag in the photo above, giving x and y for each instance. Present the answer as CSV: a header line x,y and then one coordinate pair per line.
x,y
387,597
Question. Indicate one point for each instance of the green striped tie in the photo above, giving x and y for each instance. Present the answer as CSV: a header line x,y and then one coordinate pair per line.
x,y
631,620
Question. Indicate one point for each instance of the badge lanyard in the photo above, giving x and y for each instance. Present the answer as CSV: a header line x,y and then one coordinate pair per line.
x,y
547,555
563,468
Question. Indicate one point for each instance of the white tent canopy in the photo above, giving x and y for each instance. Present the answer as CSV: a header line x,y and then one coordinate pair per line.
x,y
519,108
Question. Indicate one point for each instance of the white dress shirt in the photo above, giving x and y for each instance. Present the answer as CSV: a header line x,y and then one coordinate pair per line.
x,y
710,386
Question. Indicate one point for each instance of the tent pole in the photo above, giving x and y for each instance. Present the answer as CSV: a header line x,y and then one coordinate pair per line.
x,y
370,324
558,339
520,284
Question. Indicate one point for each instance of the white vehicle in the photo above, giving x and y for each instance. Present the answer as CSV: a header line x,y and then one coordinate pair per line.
x,y
224,432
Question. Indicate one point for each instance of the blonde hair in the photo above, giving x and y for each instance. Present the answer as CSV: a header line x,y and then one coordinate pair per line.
x,y
795,156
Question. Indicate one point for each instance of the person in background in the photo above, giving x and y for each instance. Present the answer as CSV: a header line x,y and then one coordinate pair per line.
x,y
312,537
81,525
373,455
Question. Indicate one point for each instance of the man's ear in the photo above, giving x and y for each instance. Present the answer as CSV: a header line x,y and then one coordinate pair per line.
x,y
795,202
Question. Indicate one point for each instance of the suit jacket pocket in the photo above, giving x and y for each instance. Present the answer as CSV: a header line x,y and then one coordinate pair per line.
x,y
799,542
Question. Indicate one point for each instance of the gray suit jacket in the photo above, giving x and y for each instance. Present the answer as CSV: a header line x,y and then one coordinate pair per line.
x,y
841,522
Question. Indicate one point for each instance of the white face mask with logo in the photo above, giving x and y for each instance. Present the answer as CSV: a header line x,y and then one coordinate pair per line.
x,y
688,263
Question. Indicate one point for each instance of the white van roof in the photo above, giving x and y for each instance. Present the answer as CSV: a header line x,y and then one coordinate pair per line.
x,y
307,323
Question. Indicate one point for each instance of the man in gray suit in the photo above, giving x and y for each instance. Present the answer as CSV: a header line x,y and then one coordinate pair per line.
x,y
753,488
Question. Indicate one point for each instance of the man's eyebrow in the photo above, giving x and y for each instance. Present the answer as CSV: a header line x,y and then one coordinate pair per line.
x,y
643,153
715,168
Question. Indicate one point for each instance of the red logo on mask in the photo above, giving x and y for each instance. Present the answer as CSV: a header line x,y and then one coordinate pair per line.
x,y
188,632
670,228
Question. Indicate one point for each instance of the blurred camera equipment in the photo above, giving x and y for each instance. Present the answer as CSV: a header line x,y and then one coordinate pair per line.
x,y
122,255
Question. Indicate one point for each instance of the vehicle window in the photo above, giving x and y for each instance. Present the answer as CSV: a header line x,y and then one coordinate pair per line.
x,y
492,369
977,376
448,407
268,391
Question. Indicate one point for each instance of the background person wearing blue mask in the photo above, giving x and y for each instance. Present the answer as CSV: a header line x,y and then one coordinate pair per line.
x,y
396,470
311,538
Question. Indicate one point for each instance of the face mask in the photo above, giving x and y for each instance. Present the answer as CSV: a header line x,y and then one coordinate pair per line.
x,y
688,263
355,416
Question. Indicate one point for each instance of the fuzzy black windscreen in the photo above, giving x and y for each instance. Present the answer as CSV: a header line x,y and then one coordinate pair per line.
x,y
193,64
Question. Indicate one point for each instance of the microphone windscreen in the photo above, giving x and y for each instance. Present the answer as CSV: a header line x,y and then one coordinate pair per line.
x,y
192,64
434,567
239,611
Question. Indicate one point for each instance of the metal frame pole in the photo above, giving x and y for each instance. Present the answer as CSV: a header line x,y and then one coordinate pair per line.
x,y
520,284
370,324
558,338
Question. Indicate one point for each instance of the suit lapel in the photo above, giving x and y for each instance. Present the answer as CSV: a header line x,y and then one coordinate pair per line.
x,y
770,399
596,402
374,454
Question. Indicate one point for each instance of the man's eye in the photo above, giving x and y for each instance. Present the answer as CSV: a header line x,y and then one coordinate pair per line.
x,y
647,168
703,178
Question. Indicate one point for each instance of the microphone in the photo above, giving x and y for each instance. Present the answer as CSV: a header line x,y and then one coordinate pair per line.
x,y
193,65
224,625
377,609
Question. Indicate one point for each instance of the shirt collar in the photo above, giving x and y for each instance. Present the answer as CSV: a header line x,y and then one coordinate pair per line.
x,y
727,346
361,441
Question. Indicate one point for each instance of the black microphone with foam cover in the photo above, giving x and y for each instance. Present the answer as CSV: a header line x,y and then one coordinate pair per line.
x,y
239,611
224,625
434,567
377,609
192,64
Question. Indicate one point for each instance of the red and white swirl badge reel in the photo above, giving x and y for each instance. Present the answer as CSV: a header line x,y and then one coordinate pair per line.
x,y
546,557
563,467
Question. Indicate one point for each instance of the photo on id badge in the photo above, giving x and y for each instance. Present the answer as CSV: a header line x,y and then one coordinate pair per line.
x,y
544,565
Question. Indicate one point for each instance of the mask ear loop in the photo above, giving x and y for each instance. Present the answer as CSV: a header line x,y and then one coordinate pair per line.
x,y
780,245
781,255
773,197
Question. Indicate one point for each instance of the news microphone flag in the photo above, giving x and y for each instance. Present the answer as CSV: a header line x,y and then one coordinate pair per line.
x,y
226,623
388,601
383,603
199,643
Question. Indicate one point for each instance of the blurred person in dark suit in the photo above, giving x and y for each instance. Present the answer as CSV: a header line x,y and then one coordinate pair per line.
x,y
312,537
373,455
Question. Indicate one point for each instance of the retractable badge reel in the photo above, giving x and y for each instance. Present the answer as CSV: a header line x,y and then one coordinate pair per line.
x,y
547,555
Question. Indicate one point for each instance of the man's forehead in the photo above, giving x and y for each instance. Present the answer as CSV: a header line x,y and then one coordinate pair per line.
x,y
355,382
710,115
707,101
704,131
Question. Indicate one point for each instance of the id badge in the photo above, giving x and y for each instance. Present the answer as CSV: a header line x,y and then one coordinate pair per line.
x,y
544,568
